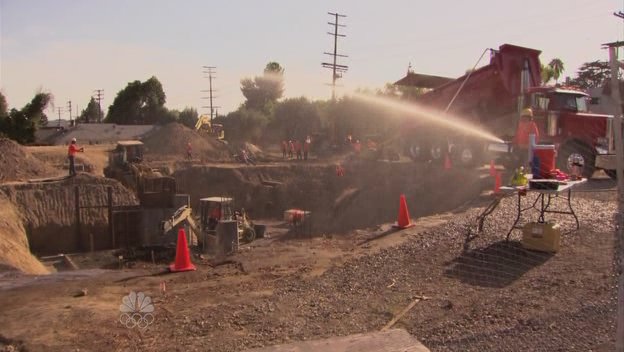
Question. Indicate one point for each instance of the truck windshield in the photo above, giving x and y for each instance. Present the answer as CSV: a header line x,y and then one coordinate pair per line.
x,y
570,102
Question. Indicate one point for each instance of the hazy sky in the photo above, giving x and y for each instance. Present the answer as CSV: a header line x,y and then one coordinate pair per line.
x,y
72,47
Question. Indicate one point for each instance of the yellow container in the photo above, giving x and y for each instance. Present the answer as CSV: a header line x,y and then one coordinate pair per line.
x,y
544,237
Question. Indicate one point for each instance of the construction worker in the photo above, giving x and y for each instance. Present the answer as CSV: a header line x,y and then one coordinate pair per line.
x,y
298,149
284,149
306,147
189,151
526,127
291,149
214,217
71,155
357,147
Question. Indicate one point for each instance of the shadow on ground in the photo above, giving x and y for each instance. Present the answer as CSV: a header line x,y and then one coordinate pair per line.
x,y
497,265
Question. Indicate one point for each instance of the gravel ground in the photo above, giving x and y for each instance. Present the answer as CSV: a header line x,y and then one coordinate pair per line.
x,y
494,296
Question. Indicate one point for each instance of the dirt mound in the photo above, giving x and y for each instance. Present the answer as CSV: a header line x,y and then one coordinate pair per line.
x,y
18,164
172,140
14,250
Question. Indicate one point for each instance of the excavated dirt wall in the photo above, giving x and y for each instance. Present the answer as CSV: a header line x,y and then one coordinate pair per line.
x,y
14,249
48,213
367,195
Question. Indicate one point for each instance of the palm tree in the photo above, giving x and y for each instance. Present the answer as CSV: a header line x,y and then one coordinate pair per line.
x,y
547,73
557,68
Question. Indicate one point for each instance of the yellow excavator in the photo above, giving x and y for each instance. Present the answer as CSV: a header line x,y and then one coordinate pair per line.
x,y
204,125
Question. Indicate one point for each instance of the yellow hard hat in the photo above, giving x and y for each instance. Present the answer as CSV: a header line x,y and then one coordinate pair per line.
x,y
527,112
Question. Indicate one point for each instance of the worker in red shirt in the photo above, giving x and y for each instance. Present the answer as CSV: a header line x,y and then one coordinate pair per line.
x,y
284,149
189,151
526,127
291,149
306,147
298,149
214,217
71,155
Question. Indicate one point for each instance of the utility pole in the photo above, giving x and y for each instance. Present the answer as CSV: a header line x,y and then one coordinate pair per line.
x,y
99,94
59,116
70,112
209,70
619,162
337,70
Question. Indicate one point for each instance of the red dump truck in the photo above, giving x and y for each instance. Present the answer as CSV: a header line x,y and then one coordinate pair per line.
x,y
492,97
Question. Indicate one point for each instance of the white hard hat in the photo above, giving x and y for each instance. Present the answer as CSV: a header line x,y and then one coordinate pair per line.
x,y
73,139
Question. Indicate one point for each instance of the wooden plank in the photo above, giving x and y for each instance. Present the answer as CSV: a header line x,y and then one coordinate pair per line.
x,y
403,312
393,340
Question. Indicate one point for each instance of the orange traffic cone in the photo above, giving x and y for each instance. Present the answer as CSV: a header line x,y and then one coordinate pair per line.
x,y
492,168
182,259
447,162
497,182
403,221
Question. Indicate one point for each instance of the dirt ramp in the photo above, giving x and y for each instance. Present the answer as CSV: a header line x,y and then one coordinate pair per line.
x,y
14,249
19,164
171,141
48,211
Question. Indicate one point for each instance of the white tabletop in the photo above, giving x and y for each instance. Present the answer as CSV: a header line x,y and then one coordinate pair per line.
x,y
563,186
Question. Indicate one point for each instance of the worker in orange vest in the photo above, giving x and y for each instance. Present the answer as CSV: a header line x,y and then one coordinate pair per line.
x,y
71,155
526,127
284,149
298,149
291,149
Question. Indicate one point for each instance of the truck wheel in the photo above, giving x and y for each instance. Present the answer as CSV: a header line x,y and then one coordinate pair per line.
x,y
437,151
467,155
580,152
248,235
418,151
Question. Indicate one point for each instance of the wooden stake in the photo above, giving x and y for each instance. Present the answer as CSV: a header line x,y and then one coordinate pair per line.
x,y
403,312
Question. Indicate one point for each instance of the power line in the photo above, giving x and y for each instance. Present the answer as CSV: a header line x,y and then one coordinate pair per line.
x,y
337,70
210,70
99,94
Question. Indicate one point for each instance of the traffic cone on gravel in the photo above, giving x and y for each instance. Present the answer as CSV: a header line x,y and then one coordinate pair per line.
x,y
183,258
403,221
492,168
447,162
497,182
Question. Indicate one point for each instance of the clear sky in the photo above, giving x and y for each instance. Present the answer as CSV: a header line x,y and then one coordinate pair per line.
x,y
72,47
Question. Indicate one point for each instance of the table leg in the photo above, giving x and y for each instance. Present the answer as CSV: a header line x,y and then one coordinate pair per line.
x,y
542,208
578,226
519,209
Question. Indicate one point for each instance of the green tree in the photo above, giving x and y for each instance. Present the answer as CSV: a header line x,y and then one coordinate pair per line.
x,y
295,118
188,117
91,114
244,125
592,74
20,125
262,92
4,107
546,72
556,65
140,103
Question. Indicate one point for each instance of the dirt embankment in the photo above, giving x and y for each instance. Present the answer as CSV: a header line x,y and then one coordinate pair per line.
x,y
14,249
48,211
367,195
18,164
171,141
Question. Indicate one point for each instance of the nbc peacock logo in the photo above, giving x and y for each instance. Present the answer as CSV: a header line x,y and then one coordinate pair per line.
x,y
136,310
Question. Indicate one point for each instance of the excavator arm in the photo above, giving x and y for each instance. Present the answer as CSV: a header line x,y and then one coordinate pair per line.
x,y
184,213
